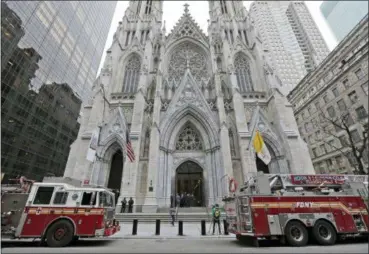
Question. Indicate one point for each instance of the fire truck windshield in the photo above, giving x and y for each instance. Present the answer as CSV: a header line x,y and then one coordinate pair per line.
x,y
105,199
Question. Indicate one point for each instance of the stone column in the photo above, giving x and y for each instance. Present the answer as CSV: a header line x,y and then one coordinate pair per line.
x,y
224,135
241,123
150,204
130,169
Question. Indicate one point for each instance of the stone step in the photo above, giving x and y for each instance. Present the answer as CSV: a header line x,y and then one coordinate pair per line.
x,y
164,217
186,210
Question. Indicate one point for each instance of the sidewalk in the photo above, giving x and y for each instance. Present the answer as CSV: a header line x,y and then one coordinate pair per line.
x,y
147,231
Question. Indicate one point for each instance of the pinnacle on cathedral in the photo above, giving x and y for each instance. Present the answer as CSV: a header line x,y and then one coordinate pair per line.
x,y
189,102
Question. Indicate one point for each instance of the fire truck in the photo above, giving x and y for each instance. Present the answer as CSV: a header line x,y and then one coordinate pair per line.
x,y
56,212
293,208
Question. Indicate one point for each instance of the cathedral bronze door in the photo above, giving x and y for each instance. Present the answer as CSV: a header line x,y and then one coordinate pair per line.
x,y
189,180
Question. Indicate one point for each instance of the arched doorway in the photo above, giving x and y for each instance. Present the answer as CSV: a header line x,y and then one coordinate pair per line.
x,y
189,180
116,171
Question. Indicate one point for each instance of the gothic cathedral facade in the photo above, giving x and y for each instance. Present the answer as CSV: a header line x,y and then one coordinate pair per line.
x,y
191,104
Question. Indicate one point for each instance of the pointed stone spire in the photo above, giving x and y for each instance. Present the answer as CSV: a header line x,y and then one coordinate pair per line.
x,y
186,8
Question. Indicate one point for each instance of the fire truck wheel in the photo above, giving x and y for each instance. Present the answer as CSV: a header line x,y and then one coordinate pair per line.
x,y
296,234
324,233
60,234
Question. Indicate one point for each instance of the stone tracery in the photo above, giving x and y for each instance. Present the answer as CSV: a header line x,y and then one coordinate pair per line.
x,y
186,55
243,74
189,140
131,75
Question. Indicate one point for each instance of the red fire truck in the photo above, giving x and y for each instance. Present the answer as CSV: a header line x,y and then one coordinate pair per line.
x,y
293,208
56,212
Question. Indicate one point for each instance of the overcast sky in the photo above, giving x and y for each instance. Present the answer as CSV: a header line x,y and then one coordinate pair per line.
x,y
199,10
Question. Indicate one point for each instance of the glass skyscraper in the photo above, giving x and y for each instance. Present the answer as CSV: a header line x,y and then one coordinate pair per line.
x,y
343,16
50,54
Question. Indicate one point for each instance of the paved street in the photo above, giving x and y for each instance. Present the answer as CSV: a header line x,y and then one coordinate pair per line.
x,y
220,245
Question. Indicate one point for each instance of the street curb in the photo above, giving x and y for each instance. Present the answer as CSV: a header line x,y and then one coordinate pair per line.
x,y
171,237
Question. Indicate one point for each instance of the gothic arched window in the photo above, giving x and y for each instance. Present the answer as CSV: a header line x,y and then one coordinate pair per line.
x,y
189,140
131,75
191,55
243,74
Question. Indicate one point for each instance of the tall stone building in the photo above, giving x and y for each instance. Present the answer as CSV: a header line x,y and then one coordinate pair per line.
x,y
290,37
331,106
191,103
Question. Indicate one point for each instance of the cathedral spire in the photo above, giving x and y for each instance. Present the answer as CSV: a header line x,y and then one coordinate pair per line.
x,y
186,10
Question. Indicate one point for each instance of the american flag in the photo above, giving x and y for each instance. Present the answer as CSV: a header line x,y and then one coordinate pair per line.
x,y
130,152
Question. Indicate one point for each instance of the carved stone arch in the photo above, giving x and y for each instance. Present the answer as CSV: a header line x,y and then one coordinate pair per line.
x,y
274,144
183,160
120,71
114,138
203,122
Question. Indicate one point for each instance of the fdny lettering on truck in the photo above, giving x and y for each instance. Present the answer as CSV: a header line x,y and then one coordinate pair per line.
x,y
304,204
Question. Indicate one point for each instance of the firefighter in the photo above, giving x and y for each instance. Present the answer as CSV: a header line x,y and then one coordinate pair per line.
x,y
216,218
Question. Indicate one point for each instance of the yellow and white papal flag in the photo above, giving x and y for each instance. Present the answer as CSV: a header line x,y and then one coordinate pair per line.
x,y
261,149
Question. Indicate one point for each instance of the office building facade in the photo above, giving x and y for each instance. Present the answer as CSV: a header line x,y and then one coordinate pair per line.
x,y
291,39
44,45
332,97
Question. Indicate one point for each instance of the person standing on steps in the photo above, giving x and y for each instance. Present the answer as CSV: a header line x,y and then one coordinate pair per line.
x,y
216,218
130,205
124,204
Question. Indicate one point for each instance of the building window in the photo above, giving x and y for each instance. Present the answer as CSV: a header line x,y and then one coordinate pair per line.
x,y
361,112
341,105
310,111
365,88
148,7
243,74
343,141
325,98
314,153
223,6
345,82
322,149
331,111
335,92
131,75
317,105
348,119
331,146
355,136
359,74
353,97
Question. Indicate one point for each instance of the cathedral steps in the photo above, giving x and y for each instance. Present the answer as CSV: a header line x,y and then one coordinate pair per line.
x,y
193,217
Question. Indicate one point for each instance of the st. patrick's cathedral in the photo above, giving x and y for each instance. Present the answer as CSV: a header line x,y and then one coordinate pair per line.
x,y
190,103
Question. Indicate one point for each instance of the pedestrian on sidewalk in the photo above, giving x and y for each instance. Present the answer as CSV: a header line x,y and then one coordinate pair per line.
x,y
130,205
216,218
172,212
124,204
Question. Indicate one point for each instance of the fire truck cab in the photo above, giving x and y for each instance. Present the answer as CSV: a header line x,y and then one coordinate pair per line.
x,y
58,213
293,208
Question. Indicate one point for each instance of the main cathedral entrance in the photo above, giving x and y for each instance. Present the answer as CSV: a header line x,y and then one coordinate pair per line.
x,y
189,182
116,171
